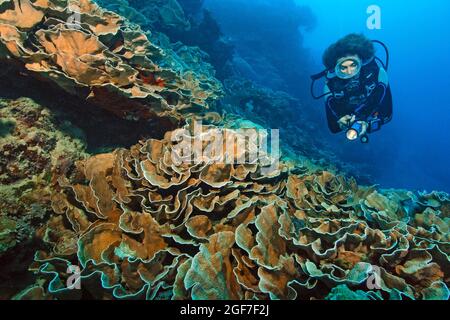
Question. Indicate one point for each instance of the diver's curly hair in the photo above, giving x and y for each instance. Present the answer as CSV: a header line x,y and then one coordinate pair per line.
x,y
349,45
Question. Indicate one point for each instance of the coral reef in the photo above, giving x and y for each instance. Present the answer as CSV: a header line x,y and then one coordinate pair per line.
x,y
179,215
302,138
33,148
243,97
183,21
147,223
150,14
99,56
165,24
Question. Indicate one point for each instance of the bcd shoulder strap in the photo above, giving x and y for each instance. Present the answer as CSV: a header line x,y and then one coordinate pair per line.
x,y
355,89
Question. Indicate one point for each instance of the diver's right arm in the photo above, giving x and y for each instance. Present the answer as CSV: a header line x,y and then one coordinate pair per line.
x,y
335,121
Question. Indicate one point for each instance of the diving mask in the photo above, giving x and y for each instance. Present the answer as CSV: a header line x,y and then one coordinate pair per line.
x,y
349,70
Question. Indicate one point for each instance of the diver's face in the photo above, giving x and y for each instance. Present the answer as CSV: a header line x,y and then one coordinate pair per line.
x,y
348,67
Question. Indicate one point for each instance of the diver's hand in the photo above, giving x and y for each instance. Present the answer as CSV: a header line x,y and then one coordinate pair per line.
x,y
346,121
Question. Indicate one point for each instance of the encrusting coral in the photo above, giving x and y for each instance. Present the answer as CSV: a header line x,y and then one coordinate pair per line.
x,y
147,223
97,55
32,149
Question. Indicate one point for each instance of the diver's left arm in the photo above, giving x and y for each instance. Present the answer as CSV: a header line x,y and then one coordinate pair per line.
x,y
379,101
385,105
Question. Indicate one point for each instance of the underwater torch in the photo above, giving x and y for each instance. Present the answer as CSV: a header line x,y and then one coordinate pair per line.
x,y
354,132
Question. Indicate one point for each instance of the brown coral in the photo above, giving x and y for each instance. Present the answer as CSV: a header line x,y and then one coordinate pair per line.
x,y
180,229
97,55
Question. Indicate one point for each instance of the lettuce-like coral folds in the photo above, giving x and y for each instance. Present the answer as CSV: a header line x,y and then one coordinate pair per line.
x,y
98,55
139,223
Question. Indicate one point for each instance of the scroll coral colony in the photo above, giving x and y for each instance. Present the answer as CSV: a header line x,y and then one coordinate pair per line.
x,y
140,226
97,55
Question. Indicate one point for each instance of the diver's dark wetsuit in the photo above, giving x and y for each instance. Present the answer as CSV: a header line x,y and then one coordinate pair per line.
x,y
365,95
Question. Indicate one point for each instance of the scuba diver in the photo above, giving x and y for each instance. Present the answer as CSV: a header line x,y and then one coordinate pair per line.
x,y
357,93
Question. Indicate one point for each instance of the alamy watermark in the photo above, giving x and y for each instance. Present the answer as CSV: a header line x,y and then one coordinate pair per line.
x,y
227,146
73,281
374,280
74,20
374,19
